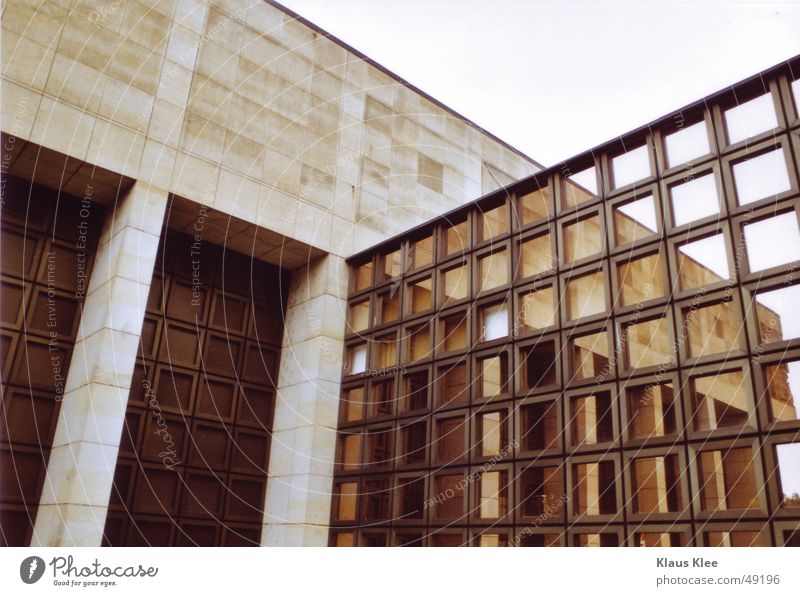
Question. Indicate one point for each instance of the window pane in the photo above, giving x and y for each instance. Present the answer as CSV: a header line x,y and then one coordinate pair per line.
x,y
589,355
388,308
493,321
422,252
381,398
777,314
651,411
687,144
385,349
539,361
538,309
635,220
421,295
595,540
456,238
591,419
761,177
354,404
453,384
659,539
582,239
648,343
493,222
541,489
454,332
762,237
796,93
358,316
641,279
363,277
415,391
586,295
492,433
456,284
492,540
733,539
348,494
536,255
750,118
419,342
727,479
534,206
656,484
702,262
594,489
783,388
450,437
580,188
714,329
378,449
493,494
411,497
788,456
450,501
694,199
631,167
392,264
413,440
358,359
539,426
493,270
493,375
351,452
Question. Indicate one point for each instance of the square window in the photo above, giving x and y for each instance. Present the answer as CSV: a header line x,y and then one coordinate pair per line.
x,y
648,343
641,279
353,404
381,398
493,494
761,176
362,277
651,411
656,484
376,500
422,252
727,479
534,206
594,488
388,307
419,342
591,419
450,438
720,401
358,316
415,394
357,359
453,332
493,321
541,490
762,237
713,329
456,238
537,309
783,390
456,285
539,426
702,262
788,455
421,295
392,264
413,441
694,199
586,295
579,188
385,349
492,433
493,375
777,314
493,223
493,270
582,239
635,221
539,363
751,118
453,384
687,144
536,255
589,355
631,167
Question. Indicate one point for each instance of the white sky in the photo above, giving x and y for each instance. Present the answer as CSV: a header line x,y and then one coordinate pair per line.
x,y
555,78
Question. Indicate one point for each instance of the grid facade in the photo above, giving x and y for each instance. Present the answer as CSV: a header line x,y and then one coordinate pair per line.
x,y
603,354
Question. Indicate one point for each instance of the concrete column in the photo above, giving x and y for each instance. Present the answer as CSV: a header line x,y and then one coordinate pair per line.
x,y
298,501
80,472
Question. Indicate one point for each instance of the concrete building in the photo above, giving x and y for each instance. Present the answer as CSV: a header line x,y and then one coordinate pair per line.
x,y
188,357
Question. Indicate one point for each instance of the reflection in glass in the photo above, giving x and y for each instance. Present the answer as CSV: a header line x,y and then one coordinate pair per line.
x,y
358,359
596,540
589,355
539,426
363,277
702,262
579,188
381,398
421,298
449,507
687,144
454,332
350,450
348,495
777,314
493,375
541,489
761,176
783,389
582,239
539,364
450,437
388,308
651,411
750,118
635,220
788,456
534,206
631,167
695,199
659,539
422,252
413,441
354,404
385,349
493,270
762,237
492,433
419,342
358,316
493,494
411,499
727,479
586,295
536,255
713,329
641,279
456,238
594,488
648,343
453,384
415,391
656,484
376,500
456,285
591,420
392,264
493,222
538,309
736,538
493,321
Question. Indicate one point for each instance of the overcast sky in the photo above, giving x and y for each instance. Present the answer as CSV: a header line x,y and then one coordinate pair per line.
x,y
555,78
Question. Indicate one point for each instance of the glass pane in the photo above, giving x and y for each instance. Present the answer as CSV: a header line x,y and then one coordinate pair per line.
x,y
493,321
450,501
354,404
492,540
788,456
348,495
687,144
381,398
493,494
351,452
761,177
363,277
589,355
415,391
541,490
783,389
579,188
388,307
702,262
538,309
694,199
454,332
651,411
456,238
750,118
594,489
450,437
778,315
714,329
536,255
656,484
659,539
631,167
493,222
358,316
392,264
422,253
591,419
796,93
648,343
762,237
421,298
586,295
456,284
534,206
595,540
493,270
453,384
411,497
385,349
539,426
494,375
582,239
492,433
720,401
419,342
641,279
539,361
635,220
727,480
358,359
378,449
413,440
729,539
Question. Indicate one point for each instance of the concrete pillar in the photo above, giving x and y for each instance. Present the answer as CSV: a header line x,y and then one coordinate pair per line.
x,y
298,501
80,471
